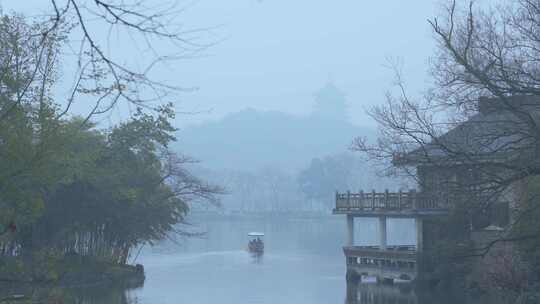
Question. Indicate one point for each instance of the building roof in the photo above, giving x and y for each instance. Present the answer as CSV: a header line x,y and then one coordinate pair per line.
x,y
496,132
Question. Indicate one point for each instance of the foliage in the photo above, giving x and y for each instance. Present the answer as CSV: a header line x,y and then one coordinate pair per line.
x,y
446,243
105,193
28,67
267,190
70,189
325,176
527,224
341,172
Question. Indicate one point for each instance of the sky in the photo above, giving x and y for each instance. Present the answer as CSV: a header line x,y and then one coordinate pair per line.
x,y
275,54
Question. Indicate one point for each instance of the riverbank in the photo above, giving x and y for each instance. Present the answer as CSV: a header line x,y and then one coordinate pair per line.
x,y
102,293
68,271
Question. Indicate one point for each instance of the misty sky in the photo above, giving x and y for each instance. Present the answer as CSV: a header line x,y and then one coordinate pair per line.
x,y
275,54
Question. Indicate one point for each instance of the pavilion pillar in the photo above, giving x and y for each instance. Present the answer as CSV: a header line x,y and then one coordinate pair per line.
x,y
350,230
382,233
419,234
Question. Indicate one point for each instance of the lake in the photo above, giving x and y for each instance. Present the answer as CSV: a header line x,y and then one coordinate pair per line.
x,y
303,263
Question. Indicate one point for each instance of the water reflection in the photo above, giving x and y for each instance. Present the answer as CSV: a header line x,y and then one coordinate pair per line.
x,y
368,293
357,293
256,258
362,293
99,294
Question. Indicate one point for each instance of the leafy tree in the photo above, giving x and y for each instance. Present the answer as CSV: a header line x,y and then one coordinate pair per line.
x,y
322,178
341,172
116,190
68,188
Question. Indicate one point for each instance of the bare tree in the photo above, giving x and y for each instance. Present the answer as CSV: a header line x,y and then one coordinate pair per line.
x,y
482,118
104,76
28,65
33,52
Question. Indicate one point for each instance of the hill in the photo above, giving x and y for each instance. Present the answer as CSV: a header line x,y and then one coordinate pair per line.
x,y
250,140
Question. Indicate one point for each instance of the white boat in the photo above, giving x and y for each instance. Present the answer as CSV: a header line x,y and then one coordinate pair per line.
x,y
256,244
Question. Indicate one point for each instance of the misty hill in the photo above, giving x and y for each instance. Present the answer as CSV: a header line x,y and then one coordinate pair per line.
x,y
251,139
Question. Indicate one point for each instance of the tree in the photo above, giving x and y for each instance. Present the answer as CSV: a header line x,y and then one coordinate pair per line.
x,y
101,194
483,113
34,129
65,185
340,172
322,178
26,76
103,75
330,104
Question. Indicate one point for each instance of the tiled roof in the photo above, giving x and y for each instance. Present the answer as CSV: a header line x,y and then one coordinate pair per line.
x,y
497,132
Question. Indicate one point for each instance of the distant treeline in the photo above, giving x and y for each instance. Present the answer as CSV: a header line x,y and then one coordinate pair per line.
x,y
278,189
272,161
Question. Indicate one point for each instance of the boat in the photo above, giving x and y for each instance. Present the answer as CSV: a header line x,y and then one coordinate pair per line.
x,y
256,244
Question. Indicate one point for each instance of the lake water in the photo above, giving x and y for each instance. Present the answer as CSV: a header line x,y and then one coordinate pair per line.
x,y
303,263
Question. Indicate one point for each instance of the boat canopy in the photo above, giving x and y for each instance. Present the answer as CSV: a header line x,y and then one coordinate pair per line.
x,y
256,234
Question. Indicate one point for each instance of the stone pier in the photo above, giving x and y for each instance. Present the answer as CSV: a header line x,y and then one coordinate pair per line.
x,y
387,263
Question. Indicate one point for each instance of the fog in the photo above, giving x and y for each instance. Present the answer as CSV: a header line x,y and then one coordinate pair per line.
x,y
275,54
272,58
232,193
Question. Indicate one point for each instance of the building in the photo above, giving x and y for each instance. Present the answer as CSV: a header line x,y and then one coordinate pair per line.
x,y
473,171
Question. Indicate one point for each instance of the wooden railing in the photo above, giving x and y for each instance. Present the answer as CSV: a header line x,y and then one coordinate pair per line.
x,y
397,201
390,253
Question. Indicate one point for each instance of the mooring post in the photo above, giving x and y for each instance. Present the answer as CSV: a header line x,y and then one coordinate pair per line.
x,y
386,204
412,194
419,234
382,232
350,230
399,199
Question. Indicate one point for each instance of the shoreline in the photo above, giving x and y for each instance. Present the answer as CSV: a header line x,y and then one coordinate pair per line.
x,y
69,273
